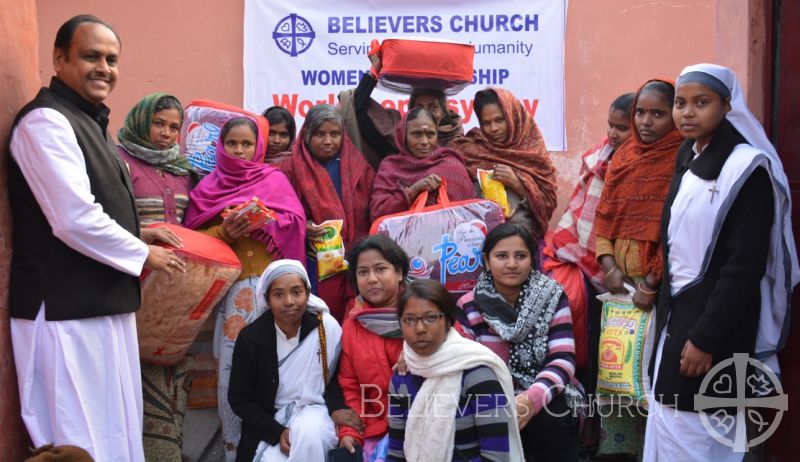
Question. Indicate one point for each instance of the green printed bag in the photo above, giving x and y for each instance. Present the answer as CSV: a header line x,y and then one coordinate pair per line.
x,y
626,343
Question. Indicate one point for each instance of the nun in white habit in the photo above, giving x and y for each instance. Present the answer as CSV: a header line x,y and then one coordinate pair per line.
x,y
730,266
283,377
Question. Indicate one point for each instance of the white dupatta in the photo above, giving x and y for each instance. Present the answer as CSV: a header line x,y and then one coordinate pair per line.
x,y
431,425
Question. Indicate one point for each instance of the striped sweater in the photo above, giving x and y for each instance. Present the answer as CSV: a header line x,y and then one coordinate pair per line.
x,y
483,416
559,367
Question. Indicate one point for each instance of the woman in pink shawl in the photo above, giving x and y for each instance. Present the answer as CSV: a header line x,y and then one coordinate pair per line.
x,y
420,166
240,175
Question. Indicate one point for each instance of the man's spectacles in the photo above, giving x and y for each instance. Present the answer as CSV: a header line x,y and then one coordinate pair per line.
x,y
428,319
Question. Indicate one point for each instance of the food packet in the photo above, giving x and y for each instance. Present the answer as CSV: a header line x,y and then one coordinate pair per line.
x,y
494,190
257,213
330,250
626,344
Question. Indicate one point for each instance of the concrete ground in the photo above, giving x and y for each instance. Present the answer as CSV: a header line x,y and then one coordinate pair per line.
x,y
202,439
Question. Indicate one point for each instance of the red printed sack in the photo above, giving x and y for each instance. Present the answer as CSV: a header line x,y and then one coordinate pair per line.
x,y
174,309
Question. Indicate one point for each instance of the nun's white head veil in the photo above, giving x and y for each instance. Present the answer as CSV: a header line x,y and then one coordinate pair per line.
x,y
279,268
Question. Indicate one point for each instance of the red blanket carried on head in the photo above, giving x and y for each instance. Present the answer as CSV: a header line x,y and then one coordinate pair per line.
x,y
318,195
524,151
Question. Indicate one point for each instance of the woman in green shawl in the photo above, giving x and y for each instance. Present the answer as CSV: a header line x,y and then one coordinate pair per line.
x,y
161,178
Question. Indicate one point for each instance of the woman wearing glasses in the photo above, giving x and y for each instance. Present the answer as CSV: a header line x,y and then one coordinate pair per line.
x,y
456,402
524,317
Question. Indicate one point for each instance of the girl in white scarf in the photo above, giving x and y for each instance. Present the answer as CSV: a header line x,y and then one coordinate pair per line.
x,y
435,351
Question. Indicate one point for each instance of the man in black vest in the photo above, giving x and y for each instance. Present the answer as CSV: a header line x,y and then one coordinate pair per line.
x,y
77,257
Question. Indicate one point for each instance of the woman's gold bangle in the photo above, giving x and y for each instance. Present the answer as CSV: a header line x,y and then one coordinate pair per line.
x,y
646,291
612,270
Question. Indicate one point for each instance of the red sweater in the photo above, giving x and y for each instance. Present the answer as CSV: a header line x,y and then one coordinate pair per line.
x,y
366,361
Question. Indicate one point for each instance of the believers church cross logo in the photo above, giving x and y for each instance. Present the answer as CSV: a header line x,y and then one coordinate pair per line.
x,y
293,35
748,388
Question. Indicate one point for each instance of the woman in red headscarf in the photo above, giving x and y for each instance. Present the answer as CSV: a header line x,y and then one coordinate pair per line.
x,y
628,219
333,182
420,166
509,143
628,226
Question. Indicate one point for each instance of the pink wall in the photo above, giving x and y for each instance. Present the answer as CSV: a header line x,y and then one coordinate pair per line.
x,y
194,50
18,84
613,47
740,43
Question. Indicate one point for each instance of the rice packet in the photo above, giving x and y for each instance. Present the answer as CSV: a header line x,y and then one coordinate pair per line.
x,y
626,345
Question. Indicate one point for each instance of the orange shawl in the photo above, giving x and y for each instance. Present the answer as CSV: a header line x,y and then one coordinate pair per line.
x,y
635,188
524,151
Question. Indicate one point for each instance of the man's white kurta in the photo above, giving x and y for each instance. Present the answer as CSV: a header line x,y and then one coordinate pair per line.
x,y
79,380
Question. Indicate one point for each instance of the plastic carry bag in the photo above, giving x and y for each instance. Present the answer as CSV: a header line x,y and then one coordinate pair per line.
x,y
626,343
202,122
409,63
174,308
381,451
443,241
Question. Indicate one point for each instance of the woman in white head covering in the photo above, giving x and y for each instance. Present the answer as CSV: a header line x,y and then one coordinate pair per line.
x,y
731,265
283,382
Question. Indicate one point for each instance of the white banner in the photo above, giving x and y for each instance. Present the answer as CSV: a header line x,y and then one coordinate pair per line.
x,y
298,53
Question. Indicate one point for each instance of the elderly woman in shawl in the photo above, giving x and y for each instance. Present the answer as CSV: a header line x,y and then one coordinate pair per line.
x,y
457,402
509,143
372,127
240,175
161,179
333,182
628,226
420,166
283,377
